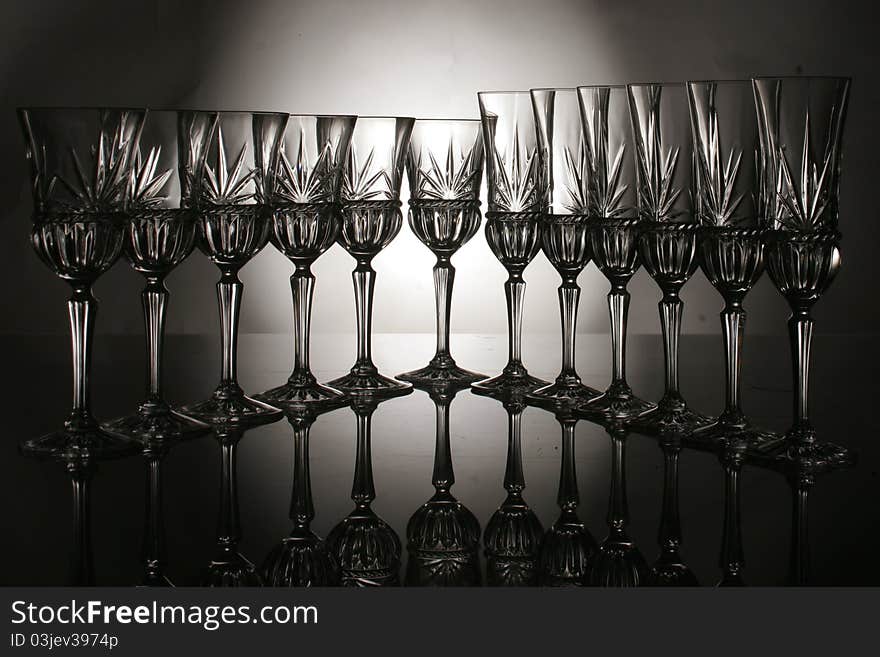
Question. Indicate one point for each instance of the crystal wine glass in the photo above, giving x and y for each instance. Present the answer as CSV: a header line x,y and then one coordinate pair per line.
x,y
228,567
731,245
234,223
305,223
565,238
801,122
302,558
618,561
517,197
514,534
443,535
613,230
569,546
444,167
159,234
366,547
669,569
371,218
82,162
668,233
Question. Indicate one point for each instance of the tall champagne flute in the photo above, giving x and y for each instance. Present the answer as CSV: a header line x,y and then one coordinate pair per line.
x,y
444,166
371,218
565,226
305,223
731,245
81,163
517,197
801,122
234,221
668,235
159,234
613,230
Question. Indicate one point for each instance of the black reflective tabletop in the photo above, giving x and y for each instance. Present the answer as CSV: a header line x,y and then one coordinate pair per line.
x,y
835,541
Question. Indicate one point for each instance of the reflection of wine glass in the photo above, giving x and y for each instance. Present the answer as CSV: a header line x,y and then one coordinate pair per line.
x,y
801,122
731,247
568,545
516,200
613,230
513,535
669,569
732,559
305,223
302,558
154,525
82,569
366,547
564,225
159,234
371,218
668,236
82,164
618,562
234,225
801,483
443,536
444,166
228,567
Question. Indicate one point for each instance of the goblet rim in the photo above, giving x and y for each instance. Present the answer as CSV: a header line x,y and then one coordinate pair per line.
x,y
747,81
505,92
601,86
438,119
306,115
67,108
658,83
553,89
840,78
386,117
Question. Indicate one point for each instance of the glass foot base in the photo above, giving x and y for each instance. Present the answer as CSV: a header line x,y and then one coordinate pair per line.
x,y
303,394
818,456
82,443
510,383
230,406
441,371
735,433
370,382
617,403
671,417
231,569
156,580
567,392
153,425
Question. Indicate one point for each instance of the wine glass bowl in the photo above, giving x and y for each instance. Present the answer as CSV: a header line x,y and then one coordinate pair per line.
x,y
367,550
302,559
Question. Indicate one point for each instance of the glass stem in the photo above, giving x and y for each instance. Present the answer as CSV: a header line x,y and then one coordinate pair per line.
x,y
443,477
364,279
568,498
514,290
732,559
229,531
618,510
154,299
444,278
569,294
514,479
229,290
669,536
800,483
733,323
82,308
670,324
363,491
302,509
302,287
154,534
618,309
800,329
82,564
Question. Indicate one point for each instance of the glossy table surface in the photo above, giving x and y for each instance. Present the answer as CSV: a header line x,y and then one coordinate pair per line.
x,y
844,521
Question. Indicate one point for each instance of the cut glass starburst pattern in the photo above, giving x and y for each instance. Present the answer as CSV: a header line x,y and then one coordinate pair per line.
x,y
717,180
516,179
606,189
300,182
447,182
145,184
359,184
657,191
804,199
225,186
577,168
